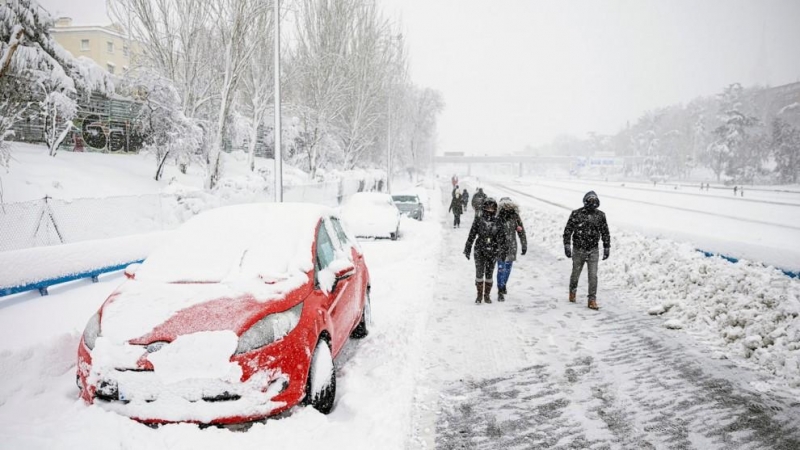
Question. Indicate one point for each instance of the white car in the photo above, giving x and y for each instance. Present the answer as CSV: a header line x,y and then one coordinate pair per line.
x,y
372,214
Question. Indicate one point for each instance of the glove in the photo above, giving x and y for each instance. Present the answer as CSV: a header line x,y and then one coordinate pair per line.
x,y
568,251
524,250
466,253
606,252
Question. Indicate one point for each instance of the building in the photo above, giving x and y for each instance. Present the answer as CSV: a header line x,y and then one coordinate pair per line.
x,y
108,46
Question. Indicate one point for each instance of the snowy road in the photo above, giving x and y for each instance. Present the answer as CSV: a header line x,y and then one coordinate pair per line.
x,y
438,371
539,372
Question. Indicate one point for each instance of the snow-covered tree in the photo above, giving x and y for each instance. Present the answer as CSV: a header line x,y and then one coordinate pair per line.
x,y
729,152
423,106
30,57
786,150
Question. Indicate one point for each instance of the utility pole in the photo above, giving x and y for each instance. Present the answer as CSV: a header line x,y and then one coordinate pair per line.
x,y
277,132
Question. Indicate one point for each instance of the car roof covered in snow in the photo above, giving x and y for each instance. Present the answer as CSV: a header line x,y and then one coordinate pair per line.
x,y
266,240
369,197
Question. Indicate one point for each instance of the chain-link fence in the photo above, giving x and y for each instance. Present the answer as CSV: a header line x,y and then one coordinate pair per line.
x,y
51,221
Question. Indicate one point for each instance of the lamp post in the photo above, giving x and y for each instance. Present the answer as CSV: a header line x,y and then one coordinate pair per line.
x,y
277,75
392,39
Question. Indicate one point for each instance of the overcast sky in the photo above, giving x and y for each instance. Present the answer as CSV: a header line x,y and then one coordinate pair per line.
x,y
516,73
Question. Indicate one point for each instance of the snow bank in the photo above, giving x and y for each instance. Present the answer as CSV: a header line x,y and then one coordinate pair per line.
x,y
21,267
748,310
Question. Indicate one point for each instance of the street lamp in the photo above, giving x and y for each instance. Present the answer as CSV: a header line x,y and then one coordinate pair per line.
x,y
277,75
392,39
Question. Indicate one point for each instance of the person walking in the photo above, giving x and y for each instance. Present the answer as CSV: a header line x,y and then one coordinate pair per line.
x,y
585,227
465,199
457,208
511,222
488,236
477,201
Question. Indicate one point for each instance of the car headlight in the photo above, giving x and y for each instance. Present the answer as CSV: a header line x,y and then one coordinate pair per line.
x,y
91,331
269,329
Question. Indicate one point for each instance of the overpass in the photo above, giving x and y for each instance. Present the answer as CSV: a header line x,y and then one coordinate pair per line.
x,y
529,160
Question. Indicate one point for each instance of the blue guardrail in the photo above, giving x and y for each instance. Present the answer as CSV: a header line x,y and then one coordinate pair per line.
x,y
42,285
788,273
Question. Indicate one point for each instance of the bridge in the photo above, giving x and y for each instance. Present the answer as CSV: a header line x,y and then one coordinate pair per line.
x,y
528,160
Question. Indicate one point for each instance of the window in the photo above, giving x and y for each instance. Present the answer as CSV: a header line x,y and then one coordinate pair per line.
x,y
110,68
340,232
84,45
325,250
110,47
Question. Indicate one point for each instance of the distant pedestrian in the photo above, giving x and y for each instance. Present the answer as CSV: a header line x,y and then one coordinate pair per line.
x,y
454,192
465,199
511,222
741,191
735,188
585,227
488,236
477,201
457,208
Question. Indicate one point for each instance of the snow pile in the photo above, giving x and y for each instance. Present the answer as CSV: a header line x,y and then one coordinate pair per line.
x,y
749,310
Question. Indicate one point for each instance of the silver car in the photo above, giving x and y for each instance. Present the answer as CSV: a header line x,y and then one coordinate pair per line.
x,y
409,205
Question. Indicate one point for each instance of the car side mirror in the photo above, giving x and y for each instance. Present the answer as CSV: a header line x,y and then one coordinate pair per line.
x,y
347,272
130,271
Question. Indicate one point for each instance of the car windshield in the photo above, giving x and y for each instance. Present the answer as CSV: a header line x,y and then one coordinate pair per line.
x,y
405,198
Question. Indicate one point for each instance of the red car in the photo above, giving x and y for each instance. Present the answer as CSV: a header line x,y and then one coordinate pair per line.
x,y
237,318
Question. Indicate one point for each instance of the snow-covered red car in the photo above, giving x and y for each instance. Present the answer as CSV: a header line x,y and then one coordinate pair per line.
x,y
237,318
372,215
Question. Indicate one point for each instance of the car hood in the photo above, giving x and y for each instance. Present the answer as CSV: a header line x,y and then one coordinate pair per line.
x,y
144,312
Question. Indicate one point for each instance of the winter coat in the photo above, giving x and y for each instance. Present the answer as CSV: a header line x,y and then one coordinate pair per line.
x,y
456,207
477,200
513,228
585,227
465,198
488,237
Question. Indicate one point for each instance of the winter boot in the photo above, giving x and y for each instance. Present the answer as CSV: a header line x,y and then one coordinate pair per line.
x,y
479,285
593,304
487,292
572,297
501,295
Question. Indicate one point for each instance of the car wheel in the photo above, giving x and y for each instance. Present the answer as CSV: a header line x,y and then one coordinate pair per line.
x,y
395,235
362,330
321,384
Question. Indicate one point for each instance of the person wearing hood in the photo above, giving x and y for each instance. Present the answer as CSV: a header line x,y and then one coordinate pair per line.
x,y
509,218
585,227
488,236
477,201
457,208
465,199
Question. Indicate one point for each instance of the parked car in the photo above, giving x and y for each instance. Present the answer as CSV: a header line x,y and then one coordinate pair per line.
x,y
238,317
372,214
409,205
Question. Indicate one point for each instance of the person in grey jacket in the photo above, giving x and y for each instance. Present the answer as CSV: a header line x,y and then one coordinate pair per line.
x,y
585,227
508,215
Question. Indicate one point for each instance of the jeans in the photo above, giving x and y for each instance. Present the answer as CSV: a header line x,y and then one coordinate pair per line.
x,y
590,258
503,272
484,268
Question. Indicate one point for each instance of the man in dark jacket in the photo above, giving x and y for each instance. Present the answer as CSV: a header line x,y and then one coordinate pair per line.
x,y
585,227
511,222
477,201
457,208
465,199
488,236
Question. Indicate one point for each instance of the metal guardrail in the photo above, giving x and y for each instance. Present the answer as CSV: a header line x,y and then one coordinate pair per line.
x,y
43,285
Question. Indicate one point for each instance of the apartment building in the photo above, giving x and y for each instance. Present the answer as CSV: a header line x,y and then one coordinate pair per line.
x,y
105,45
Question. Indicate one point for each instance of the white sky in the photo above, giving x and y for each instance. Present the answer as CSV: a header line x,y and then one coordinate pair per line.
x,y
517,72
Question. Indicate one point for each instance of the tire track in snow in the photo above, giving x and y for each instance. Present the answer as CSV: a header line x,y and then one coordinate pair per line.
x,y
539,372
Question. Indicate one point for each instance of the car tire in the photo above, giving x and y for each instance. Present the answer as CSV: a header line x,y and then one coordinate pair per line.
x,y
395,235
362,329
321,383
